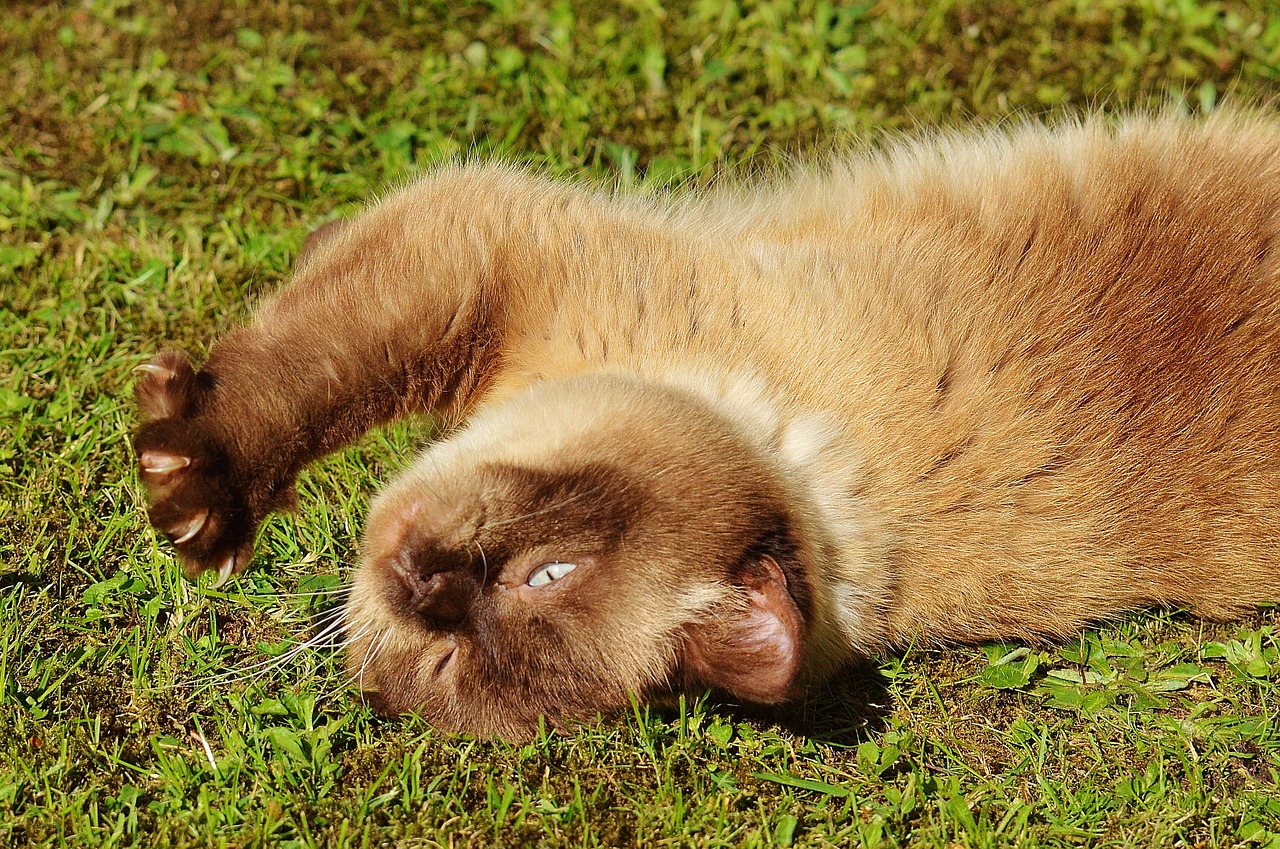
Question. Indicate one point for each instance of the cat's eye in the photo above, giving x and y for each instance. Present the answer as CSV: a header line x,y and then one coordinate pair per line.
x,y
548,572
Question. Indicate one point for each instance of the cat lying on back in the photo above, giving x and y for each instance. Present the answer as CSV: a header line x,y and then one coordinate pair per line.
x,y
989,387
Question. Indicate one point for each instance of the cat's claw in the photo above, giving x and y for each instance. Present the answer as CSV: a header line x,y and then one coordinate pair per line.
x,y
225,572
159,463
154,369
196,499
190,528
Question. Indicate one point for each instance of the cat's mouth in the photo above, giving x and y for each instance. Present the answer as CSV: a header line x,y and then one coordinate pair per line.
x,y
458,688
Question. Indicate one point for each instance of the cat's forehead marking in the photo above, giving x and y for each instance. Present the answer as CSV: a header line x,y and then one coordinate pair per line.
x,y
598,496
501,522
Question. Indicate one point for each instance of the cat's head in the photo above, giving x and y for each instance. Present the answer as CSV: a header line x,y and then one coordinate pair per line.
x,y
591,540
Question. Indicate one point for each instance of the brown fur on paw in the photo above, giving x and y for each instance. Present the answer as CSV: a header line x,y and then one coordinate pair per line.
x,y
197,500
167,388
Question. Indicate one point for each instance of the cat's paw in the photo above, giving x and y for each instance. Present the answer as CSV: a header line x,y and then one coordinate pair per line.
x,y
197,500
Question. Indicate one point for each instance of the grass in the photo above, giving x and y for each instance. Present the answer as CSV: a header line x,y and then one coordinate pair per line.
x,y
159,164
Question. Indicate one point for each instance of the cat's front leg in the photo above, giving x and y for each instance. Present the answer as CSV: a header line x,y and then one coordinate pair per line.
x,y
400,310
203,499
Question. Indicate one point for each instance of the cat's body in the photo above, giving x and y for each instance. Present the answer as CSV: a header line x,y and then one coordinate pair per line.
x,y
991,387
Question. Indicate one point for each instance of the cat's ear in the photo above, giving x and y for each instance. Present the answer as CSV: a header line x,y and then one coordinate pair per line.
x,y
319,236
167,388
754,652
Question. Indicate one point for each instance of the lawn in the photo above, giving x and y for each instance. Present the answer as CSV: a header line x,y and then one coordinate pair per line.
x,y
160,163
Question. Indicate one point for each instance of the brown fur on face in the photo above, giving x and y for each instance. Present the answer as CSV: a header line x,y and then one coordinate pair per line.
x,y
666,539
984,387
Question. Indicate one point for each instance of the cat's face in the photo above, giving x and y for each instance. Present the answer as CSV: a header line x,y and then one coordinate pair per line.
x,y
589,540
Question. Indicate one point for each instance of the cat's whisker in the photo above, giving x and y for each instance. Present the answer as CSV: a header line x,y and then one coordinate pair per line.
x,y
340,683
255,671
368,653
347,682
484,563
429,486
362,633
337,609
567,500
332,592
336,624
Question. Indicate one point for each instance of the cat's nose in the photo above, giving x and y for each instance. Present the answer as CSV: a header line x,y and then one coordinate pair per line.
x,y
440,587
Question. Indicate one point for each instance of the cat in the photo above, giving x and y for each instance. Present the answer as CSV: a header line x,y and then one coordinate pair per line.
x,y
983,386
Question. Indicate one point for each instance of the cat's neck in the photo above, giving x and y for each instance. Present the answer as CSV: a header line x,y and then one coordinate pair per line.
x,y
816,460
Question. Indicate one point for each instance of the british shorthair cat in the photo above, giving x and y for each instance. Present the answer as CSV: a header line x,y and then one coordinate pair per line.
x,y
977,387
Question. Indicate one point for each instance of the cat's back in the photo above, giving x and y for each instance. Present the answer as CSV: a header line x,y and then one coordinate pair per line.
x,y
1141,253
1054,351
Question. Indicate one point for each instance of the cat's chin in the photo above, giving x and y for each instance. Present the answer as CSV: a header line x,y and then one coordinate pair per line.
x,y
521,573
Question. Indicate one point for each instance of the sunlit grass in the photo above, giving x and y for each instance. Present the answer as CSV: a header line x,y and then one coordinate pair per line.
x,y
158,169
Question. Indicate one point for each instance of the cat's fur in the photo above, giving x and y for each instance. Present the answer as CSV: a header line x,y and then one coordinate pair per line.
x,y
982,387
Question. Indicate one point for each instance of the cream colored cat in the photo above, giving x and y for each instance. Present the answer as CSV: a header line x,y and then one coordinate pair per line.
x,y
992,386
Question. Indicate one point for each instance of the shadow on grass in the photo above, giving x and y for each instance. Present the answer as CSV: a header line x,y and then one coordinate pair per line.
x,y
13,580
850,708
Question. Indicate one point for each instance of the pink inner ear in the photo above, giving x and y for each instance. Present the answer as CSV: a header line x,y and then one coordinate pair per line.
x,y
756,653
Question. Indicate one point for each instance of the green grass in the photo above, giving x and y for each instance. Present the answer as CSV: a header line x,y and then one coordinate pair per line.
x,y
158,170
